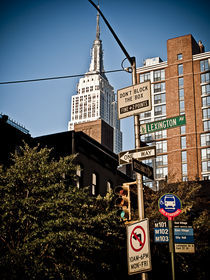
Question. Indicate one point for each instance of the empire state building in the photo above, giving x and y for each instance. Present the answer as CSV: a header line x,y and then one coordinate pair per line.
x,y
95,98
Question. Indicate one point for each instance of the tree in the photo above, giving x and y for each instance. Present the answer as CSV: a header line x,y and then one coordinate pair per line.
x,y
50,229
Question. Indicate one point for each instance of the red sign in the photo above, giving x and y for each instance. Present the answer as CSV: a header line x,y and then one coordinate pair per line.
x,y
137,238
172,215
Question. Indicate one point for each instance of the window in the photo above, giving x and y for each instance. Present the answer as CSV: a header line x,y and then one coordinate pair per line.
x,y
161,147
204,65
181,105
160,134
161,172
206,125
205,89
109,186
206,113
161,160
145,115
144,77
205,166
206,101
184,156
205,78
205,154
159,98
180,69
183,129
184,169
159,87
179,56
160,110
181,94
181,83
79,176
94,184
205,139
183,142
159,75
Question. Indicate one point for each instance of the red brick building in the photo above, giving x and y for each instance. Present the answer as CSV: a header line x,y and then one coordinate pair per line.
x,y
180,86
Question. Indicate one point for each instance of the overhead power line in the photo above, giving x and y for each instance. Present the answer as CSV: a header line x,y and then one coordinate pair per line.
x,y
56,78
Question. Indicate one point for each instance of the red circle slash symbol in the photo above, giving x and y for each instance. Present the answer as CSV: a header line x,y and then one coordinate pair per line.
x,y
137,238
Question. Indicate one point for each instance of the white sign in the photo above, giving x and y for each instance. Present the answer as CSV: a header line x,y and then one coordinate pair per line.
x,y
184,248
140,154
138,247
134,100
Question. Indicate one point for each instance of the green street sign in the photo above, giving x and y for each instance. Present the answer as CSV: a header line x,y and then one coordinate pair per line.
x,y
162,124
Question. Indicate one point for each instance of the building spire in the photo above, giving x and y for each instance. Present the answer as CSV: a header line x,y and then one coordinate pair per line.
x,y
97,25
96,64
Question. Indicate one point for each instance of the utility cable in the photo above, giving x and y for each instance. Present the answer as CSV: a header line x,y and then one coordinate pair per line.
x,y
57,78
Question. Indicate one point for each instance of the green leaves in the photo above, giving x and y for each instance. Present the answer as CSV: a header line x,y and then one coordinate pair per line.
x,y
49,229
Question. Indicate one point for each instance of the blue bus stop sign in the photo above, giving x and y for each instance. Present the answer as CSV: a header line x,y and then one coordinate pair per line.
x,y
169,205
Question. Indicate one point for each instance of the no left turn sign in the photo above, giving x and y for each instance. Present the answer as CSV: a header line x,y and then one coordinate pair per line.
x,y
137,238
138,247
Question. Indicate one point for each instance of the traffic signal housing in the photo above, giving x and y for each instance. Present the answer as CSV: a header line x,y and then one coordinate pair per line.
x,y
123,202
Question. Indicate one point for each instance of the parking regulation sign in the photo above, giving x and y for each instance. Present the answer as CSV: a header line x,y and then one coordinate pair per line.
x,y
138,247
169,205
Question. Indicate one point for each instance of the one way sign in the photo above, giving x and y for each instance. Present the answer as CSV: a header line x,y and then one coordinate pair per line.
x,y
140,154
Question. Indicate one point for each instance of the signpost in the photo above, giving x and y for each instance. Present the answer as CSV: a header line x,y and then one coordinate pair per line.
x,y
143,169
170,206
138,247
134,100
139,101
140,154
163,124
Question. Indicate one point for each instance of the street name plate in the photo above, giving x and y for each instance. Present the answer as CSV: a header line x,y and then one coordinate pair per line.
x,y
134,100
143,169
163,124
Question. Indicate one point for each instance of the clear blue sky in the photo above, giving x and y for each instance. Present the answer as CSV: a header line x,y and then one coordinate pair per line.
x,y
47,38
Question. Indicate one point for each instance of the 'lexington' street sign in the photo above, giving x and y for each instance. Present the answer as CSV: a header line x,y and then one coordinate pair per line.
x,y
163,124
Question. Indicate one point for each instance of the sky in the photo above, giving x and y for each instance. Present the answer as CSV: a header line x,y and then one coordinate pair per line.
x,y
50,38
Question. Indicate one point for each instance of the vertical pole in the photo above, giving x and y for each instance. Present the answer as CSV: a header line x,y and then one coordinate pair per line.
x,y
137,146
171,246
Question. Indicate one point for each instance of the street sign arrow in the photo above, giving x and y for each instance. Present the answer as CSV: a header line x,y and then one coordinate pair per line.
x,y
140,154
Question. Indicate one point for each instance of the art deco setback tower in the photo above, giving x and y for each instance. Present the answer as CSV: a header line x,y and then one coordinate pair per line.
x,y
95,101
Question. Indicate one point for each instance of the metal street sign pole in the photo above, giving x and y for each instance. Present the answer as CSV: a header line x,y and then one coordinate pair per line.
x,y
132,61
137,146
171,246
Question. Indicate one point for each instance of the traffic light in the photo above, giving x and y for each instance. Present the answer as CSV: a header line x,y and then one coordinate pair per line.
x,y
123,201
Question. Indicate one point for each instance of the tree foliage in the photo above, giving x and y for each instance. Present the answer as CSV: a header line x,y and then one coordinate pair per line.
x,y
50,229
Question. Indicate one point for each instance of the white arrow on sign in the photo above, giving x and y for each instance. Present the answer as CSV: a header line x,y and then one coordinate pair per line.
x,y
140,154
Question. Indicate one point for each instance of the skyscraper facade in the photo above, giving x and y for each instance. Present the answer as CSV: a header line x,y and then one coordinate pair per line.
x,y
180,87
95,98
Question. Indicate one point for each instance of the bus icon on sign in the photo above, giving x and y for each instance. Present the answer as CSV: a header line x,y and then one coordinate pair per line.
x,y
169,201
170,205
